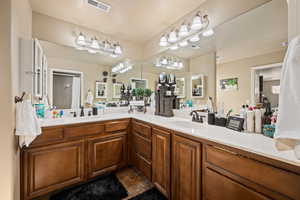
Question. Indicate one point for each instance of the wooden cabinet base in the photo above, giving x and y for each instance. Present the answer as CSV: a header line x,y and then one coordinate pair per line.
x,y
52,167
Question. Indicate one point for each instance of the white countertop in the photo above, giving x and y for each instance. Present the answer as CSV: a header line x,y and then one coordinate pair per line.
x,y
252,142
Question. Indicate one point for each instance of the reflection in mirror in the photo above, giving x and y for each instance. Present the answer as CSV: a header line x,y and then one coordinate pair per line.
x,y
101,90
197,86
66,88
180,88
117,90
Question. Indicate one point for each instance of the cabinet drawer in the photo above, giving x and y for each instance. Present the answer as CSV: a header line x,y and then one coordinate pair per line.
x,y
142,146
282,181
143,165
116,126
49,135
84,130
219,187
142,129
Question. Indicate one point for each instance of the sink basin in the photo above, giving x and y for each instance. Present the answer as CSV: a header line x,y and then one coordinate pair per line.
x,y
186,124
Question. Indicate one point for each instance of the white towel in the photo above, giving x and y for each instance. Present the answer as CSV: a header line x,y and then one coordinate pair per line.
x,y
287,133
27,124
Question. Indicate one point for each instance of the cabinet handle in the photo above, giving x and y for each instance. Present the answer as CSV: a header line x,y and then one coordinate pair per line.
x,y
225,150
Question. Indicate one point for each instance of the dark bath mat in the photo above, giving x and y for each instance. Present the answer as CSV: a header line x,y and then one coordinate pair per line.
x,y
152,194
103,188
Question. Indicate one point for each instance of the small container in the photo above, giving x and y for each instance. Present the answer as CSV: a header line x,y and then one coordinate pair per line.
x,y
220,121
211,118
95,111
40,110
269,130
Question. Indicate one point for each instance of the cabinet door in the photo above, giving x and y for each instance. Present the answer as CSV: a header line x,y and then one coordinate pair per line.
x,y
106,154
52,167
161,160
38,71
219,187
45,76
186,169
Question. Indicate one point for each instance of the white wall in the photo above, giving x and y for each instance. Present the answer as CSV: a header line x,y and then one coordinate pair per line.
x,y
6,119
294,18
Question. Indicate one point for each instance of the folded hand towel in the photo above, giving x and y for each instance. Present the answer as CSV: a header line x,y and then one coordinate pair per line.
x,y
287,133
27,124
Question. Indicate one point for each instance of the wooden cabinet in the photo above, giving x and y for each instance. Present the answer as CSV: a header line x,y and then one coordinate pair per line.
x,y
240,172
219,187
161,153
52,167
106,154
186,169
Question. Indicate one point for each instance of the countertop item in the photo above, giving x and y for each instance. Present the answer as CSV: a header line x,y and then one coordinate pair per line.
x,y
251,142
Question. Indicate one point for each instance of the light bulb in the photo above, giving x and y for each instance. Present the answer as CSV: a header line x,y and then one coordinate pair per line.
x,y
164,61
173,37
113,55
180,65
195,38
208,33
197,22
183,31
81,41
118,49
175,64
163,41
95,44
174,47
183,43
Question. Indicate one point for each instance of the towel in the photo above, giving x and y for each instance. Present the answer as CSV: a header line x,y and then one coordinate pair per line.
x,y
27,124
287,133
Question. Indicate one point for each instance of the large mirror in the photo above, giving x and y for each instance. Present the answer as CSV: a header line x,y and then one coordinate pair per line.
x,y
233,67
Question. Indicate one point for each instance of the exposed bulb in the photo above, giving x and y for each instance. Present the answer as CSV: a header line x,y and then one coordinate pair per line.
x,y
173,37
183,43
208,33
197,22
163,41
195,38
183,31
174,47
118,49
81,40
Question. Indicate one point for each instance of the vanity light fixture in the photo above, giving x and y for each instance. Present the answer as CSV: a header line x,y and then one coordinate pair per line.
x,y
169,62
173,37
122,67
197,22
93,46
188,32
208,33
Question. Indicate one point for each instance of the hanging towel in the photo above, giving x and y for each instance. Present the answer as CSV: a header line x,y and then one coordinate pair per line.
x,y
27,124
287,133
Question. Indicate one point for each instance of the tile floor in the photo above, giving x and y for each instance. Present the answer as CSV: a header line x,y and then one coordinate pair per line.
x,y
134,182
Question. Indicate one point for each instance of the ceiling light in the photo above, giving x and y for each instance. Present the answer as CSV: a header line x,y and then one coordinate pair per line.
x,y
169,62
195,38
183,31
174,47
183,43
122,67
95,44
197,22
81,40
180,65
173,37
113,55
118,49
164,61
208,33
163,41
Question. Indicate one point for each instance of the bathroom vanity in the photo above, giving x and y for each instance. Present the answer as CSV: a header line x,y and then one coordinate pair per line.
x,y
182,161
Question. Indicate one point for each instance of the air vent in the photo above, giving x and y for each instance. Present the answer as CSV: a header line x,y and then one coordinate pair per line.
x,y
100,5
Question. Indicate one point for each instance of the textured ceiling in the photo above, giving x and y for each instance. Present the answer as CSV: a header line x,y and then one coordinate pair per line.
x,y
135,20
